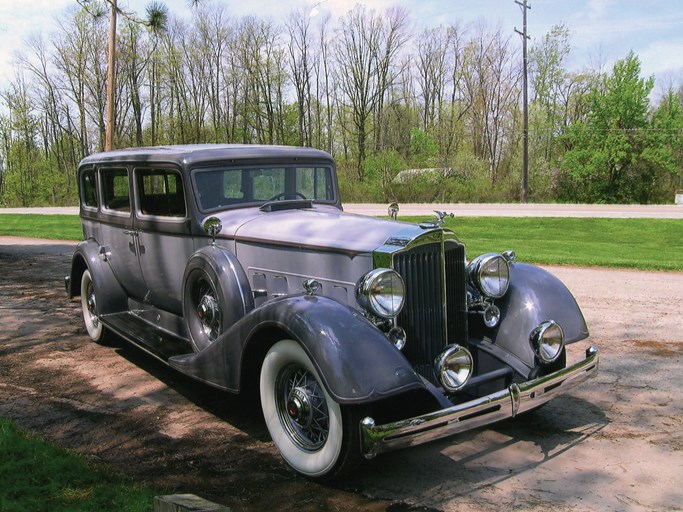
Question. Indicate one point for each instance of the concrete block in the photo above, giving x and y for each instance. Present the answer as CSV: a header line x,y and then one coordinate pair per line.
x,y
186,503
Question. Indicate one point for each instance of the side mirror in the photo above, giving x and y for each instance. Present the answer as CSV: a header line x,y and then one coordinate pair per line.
x,y
213,226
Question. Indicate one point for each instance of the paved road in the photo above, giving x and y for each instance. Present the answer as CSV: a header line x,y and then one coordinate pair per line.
x,y
527,210
476,210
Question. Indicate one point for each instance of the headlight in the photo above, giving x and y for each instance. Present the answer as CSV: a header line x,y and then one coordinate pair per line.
x,y
453,367
381,292
548,341
490,273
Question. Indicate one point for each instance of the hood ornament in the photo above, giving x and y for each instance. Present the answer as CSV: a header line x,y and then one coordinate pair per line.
x,y
438,222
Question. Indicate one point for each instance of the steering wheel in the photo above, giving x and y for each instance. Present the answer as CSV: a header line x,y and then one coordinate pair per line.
x,y
283,195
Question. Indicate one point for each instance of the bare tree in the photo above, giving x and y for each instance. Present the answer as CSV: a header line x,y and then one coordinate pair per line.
x,y
300,65
491,77
363,53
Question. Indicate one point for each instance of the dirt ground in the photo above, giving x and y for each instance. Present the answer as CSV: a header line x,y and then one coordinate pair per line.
x,y
615,443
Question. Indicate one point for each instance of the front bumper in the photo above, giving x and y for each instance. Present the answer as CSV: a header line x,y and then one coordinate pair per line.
x,y
508,403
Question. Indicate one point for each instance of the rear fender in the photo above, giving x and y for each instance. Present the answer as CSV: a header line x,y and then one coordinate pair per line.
x,y
535,296
356,362
110,296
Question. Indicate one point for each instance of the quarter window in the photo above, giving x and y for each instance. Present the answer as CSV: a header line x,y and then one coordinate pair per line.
x,y
89,189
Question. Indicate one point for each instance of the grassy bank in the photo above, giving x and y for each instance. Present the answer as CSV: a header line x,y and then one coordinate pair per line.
x,y
36,475
645,244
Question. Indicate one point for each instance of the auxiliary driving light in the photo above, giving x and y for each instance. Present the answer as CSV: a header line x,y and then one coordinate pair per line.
x,y
397,336
454,367
548,341
491,316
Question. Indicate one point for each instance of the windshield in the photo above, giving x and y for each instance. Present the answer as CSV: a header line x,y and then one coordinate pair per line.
x,y
218,188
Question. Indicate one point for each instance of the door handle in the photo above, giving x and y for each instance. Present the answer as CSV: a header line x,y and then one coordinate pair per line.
x,y
131,232
105,253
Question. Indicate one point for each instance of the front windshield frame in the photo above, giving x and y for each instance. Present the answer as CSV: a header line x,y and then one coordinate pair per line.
x,y
257,184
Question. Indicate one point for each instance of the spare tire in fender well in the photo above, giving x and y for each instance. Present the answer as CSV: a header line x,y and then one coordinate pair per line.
x,y
220,268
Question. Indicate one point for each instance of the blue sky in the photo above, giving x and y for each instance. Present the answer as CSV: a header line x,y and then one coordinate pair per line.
x,y
602,30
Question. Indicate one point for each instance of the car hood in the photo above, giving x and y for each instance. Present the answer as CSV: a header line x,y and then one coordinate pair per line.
x,y
322,230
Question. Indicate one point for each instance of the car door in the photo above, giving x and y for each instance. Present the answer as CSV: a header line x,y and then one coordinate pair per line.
x,y
119,244
163,232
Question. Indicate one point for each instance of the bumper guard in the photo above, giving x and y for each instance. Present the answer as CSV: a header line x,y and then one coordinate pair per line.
x,y
508,403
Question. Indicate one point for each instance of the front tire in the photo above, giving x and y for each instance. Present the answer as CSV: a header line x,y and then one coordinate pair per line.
x,y
96,330
315,435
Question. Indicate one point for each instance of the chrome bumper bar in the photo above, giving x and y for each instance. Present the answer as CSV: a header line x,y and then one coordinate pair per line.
x,y
508,403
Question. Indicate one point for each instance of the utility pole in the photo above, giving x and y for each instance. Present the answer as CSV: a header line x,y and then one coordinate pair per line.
x,y
525,112
111,77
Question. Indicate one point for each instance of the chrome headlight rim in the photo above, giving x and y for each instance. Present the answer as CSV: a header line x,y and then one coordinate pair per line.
x,y
480,274
381,292
454,367
548,341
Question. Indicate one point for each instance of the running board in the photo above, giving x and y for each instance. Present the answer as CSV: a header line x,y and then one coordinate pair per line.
x,y
159,343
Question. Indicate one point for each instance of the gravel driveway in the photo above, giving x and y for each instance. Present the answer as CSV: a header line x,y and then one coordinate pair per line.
x,y
615,443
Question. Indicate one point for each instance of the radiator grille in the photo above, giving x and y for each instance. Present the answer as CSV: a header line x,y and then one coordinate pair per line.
x,y
429,322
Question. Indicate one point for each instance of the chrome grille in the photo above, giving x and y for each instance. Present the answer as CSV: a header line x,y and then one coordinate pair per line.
x,y
430,322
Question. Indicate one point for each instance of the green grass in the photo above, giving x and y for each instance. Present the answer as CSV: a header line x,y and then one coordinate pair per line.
x,y
645,244
36,475
55,227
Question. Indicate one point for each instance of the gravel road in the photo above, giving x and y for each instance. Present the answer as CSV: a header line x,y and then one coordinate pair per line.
x,y
615,443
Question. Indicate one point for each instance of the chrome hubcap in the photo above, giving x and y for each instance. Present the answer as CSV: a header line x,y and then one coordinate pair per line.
x,y
92,305
299,407
208,311
302,407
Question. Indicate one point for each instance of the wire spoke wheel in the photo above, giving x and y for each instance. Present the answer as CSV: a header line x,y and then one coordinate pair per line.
x,y
302,407
315,435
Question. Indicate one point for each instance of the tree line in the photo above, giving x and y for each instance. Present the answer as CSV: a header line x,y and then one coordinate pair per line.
x,y
378,95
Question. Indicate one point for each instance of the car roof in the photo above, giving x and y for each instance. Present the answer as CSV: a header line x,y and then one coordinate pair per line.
x,y
192,154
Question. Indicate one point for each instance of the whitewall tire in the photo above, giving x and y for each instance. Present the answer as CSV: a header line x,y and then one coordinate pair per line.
x,y
93,325
308,427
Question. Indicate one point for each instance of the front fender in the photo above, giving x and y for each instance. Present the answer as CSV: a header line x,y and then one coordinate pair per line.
x,y
534,296
354,359
110,296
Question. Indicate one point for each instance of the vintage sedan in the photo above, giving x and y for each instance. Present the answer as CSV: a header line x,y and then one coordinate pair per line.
x,y
237,266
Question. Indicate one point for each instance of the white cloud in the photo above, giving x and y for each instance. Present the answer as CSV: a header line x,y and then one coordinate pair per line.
x,y
661,58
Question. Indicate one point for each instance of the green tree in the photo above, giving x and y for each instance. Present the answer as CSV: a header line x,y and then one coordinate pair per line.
x,y
609,159
665,147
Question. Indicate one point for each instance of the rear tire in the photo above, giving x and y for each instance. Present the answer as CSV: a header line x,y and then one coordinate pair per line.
x,y
96,329
315,435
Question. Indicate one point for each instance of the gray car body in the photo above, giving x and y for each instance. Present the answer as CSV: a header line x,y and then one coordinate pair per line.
x,y
138,264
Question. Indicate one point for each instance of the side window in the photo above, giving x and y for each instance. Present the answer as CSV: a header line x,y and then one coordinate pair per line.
x,y
161,192
89,189
115,190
